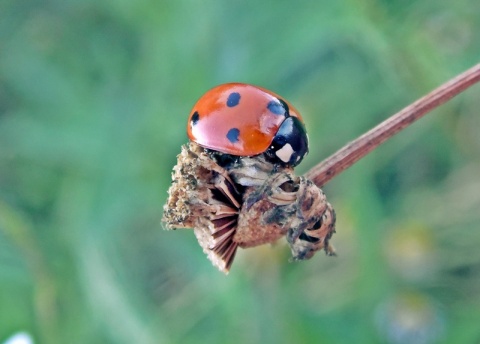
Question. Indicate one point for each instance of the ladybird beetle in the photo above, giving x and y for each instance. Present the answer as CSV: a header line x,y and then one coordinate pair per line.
x,y
246,120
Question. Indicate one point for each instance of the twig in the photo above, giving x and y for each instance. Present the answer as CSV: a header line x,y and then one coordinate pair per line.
x,y
357,149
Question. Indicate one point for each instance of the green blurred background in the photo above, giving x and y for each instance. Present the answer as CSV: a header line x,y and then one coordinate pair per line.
x,y
94,97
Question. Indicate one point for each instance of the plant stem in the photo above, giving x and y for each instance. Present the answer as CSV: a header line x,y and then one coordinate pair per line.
x,y
357,149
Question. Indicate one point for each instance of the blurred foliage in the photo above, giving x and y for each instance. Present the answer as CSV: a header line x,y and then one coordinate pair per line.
x,y
94,97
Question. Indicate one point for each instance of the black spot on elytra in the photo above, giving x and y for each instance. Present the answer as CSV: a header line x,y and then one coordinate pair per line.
x,y
233,99
195,118
232,135
275,107
287,110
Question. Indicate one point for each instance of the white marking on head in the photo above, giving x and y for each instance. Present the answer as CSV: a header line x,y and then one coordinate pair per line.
x,y
285,153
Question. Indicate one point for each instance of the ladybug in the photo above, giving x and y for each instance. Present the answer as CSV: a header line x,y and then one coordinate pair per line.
x,y
245,120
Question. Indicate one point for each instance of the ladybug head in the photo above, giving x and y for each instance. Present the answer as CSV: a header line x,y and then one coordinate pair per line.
x,y
290,143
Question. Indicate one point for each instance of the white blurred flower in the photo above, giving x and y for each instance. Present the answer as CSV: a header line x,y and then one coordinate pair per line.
x,y
19,338
410,318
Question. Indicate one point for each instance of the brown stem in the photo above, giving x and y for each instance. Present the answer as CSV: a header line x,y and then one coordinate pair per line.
x,y
357,149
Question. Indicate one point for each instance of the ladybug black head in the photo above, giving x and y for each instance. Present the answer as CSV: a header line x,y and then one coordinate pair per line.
x,y
290,144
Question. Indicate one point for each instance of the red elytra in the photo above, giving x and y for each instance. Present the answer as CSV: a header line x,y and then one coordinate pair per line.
x,y
238,119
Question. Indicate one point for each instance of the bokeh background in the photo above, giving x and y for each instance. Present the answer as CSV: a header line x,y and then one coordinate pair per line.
x,y
94,97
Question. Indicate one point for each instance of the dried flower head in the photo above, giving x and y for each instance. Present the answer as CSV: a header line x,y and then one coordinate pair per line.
x,y
233,202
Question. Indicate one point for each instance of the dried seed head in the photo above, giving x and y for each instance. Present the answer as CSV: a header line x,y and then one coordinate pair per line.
x,y
246,202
